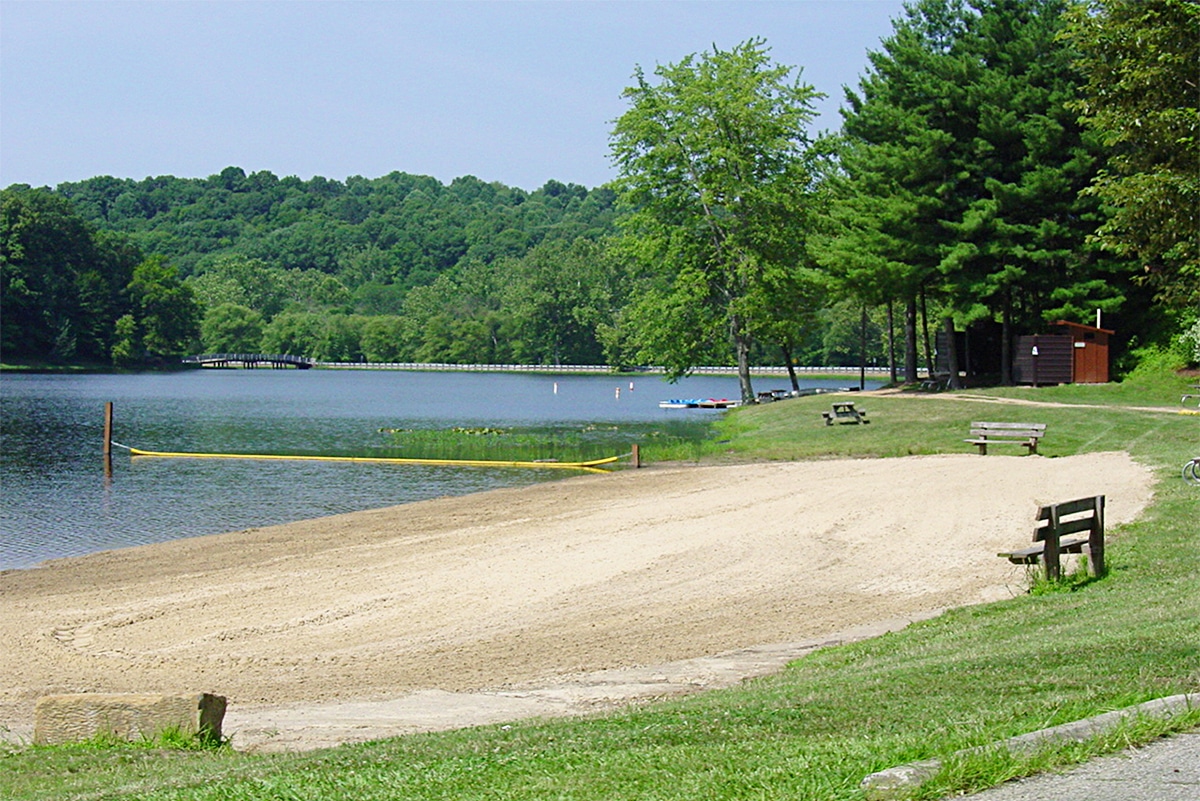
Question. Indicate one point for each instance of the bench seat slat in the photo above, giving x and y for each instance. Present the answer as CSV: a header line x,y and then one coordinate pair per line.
x,y
1030,555
1002,440
1029,441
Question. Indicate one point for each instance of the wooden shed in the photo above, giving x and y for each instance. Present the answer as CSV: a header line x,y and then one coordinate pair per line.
x,y
1090,345
1072,354
1043,359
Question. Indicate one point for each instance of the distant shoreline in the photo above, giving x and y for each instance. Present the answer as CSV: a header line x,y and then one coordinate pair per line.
x,y
538,369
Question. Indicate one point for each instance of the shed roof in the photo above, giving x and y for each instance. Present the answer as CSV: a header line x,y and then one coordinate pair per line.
x,y
1082,328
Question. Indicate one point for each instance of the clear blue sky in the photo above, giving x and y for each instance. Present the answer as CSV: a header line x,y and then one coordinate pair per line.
x,y
509,91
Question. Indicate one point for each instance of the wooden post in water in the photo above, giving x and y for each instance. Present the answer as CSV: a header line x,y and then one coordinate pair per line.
x,y
108,427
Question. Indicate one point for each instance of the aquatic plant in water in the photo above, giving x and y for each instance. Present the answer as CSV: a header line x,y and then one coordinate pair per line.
x,y
661,442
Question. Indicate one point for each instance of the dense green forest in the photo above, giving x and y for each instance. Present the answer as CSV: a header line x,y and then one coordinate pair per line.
x,y
1002,164
400,229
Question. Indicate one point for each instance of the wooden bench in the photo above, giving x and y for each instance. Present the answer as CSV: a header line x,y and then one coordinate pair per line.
x,y
844,412
1051,536
1027,434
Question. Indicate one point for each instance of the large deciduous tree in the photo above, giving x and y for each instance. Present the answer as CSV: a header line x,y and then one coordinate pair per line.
x,y
62,284
45,245
1141,59
559,295
231,328
166,311
712,161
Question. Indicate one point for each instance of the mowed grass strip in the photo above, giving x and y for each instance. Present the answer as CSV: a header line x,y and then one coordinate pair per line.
x,y
970,677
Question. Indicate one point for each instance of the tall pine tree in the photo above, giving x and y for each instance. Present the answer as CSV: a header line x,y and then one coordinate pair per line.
x,y
963,167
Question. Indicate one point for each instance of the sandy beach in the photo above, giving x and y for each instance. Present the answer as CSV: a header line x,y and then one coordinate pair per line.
x,y
402,619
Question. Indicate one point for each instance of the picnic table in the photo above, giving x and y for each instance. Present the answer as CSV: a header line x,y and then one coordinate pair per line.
x,y
936,382
844,412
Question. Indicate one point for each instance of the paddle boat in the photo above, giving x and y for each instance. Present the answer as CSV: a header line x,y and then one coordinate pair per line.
x,y
699,403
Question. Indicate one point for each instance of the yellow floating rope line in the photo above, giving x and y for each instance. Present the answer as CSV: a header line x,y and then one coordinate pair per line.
x,y
593,465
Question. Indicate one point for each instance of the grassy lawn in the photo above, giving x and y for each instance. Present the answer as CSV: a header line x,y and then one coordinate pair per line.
x,y
969,677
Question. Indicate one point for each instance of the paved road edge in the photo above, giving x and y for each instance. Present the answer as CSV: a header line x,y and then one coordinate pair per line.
x,y
893,782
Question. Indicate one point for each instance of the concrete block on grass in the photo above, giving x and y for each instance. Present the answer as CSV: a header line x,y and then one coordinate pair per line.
x,y
128,716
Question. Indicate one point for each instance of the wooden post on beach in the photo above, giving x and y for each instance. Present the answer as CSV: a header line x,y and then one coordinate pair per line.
x,y
637,456
108,427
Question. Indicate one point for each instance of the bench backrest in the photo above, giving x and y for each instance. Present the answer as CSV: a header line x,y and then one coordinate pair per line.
x,y
1024,430
1071,517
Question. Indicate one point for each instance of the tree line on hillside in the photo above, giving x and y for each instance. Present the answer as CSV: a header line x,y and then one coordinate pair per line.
x,y
333,256
398,230
1010,162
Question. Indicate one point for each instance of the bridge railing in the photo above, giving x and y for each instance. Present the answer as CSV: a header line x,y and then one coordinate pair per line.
x,y
588,368
303,361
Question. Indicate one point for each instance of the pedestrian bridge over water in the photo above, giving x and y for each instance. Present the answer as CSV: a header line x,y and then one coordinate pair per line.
x,y
250,360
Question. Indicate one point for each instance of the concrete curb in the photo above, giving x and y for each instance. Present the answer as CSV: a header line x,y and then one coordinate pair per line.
x,y
893,782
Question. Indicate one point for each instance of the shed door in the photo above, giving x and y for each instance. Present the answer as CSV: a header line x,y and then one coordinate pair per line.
x,y
1091,360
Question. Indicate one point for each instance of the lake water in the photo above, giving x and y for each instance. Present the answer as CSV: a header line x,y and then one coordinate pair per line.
x,y
55,499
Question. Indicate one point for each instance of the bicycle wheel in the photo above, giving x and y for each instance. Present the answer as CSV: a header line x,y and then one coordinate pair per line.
x,y
1191,471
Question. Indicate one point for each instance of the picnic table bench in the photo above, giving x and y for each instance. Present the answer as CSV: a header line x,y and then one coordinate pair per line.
x,y
1058,520
1027,434
844,412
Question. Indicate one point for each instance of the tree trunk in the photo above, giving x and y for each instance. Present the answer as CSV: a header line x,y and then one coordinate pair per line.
x,y
1006,355
891,318
862,349
951,352
910,340
741,342
786,348
929,367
